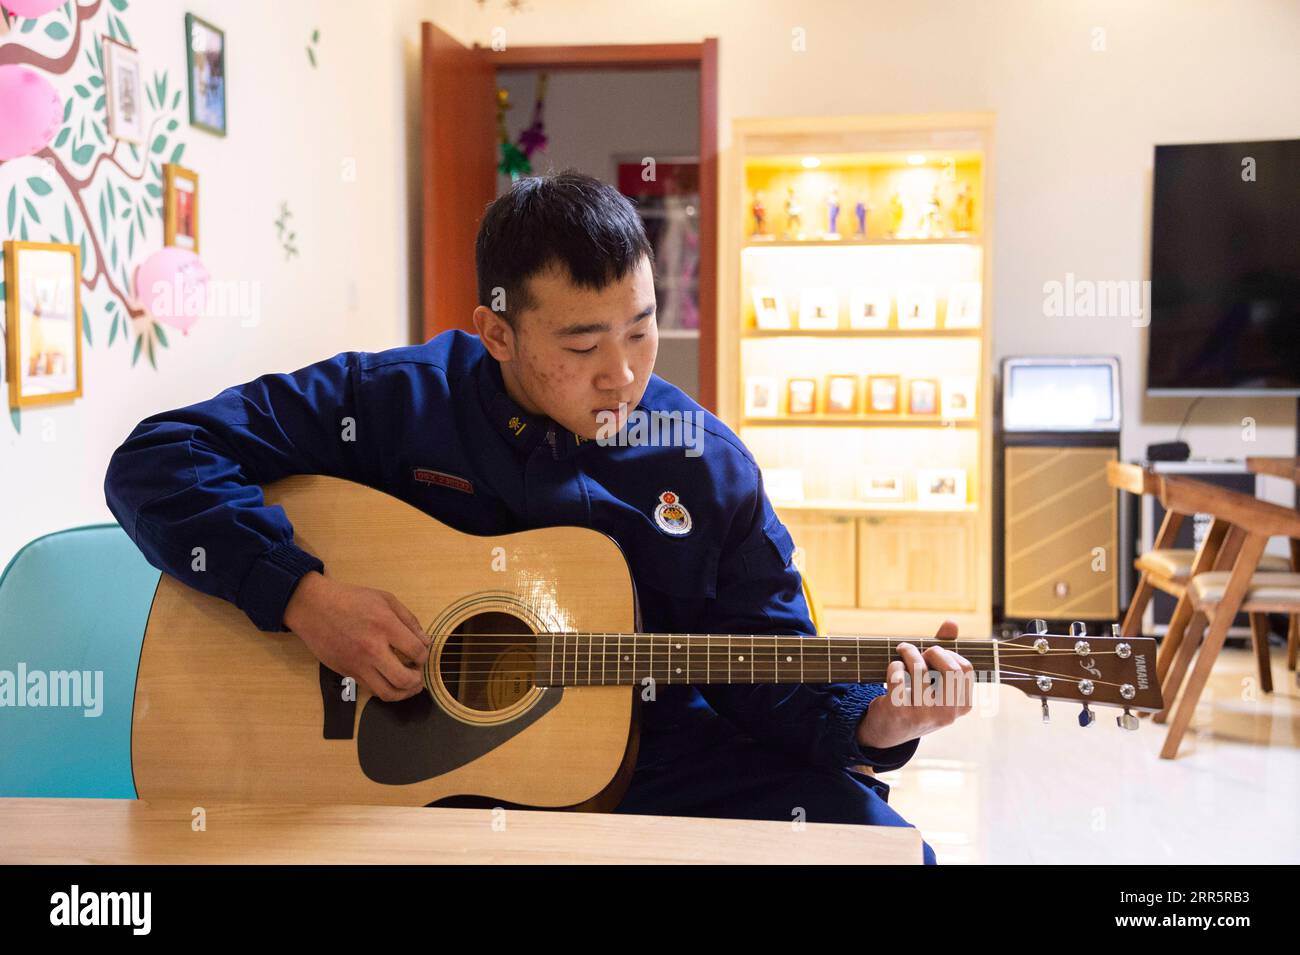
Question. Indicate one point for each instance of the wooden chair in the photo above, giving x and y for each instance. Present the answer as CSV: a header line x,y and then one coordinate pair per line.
x,y
1167,568
1287,469
1234,546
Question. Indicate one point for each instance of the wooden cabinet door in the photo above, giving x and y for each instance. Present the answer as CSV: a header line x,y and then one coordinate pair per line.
x,y
826,554
917,562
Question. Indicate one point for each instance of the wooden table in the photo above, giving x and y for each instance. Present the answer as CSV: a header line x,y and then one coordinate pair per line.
x,y
69,831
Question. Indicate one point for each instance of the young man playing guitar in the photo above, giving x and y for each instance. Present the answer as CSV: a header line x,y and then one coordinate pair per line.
x,y
508,431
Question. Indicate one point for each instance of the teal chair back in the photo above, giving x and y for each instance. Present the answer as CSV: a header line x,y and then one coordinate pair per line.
x,y
73,609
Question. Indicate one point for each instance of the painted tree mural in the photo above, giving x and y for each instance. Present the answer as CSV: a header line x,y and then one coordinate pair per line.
x,y
85,188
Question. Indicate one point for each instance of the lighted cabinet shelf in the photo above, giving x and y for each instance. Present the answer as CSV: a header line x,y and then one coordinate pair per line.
x,y
854,360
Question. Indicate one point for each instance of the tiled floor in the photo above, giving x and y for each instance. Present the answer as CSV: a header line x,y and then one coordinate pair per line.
x,y
1001,786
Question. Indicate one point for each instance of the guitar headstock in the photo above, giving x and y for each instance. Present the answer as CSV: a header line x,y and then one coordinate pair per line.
x,y
1111,671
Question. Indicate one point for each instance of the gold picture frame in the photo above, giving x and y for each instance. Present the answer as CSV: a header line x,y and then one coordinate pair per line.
x,y
801,396
43,323
884,394
180,207
842,394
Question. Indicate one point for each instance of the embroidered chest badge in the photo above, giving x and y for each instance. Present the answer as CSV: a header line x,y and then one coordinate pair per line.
x,y
672,516
443,479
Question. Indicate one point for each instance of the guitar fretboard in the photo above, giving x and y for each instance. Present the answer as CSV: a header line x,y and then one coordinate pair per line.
x,y
626,659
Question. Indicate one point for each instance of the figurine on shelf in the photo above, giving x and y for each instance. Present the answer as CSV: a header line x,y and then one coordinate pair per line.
x,y
833,212
963,212
895,214
860,210
759,211
793,215
933,222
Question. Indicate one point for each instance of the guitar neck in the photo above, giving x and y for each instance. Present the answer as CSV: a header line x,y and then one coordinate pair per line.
x,y
629,659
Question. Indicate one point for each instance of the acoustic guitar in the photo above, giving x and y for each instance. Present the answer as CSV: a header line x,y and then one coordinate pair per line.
x,y
531,684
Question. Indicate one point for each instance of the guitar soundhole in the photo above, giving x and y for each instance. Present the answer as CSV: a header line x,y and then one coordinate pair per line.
x,y
487,663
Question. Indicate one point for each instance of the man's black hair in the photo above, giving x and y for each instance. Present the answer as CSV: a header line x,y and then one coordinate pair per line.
x,y
569,219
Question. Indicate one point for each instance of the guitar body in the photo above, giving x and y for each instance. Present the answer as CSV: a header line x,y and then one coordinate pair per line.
x,y
227,712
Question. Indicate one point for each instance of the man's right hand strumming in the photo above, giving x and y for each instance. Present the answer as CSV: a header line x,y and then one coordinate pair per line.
x,y
360,632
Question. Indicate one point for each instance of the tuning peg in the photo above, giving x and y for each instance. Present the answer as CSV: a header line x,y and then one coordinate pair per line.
x,y
1086,716
1114,631
1047,717
1078,629
1128,721
1037,627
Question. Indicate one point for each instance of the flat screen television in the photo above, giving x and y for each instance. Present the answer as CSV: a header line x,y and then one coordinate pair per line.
x,y
1225,269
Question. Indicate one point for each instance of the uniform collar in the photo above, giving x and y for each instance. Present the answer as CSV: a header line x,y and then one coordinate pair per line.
x,y
521,429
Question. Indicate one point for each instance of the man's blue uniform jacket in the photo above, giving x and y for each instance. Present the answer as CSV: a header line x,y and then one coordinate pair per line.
x,y
431,424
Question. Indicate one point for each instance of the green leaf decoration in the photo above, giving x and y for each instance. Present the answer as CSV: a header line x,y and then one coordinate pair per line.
x,y
171,126
16,416
159,142
28,26
94,128
113,257
82,91
13,205
311,56
176,100
96,81
126,196
39,186
112,28
135,355
121,28
140,219
130,239
67,109
118,5
31,210
85,325
112,203
63,137
157,330
112,332
177,153
99,103
82,155
151,361
103,216
56,31
22,232
315,36
67,220
153,190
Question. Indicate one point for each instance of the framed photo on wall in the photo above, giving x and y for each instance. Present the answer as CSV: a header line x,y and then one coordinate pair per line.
x,y
761,397
916,307
205,59
770,311
964,300
842,394
923,396
43,322
869,308
941,487
180,207
802,397
958,397
123,91
883,394
819,309
881,486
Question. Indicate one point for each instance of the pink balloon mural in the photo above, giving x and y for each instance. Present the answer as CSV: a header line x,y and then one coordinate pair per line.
x,y
172,285
32,109
30,8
